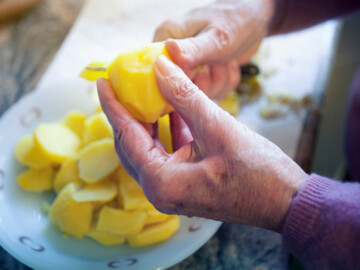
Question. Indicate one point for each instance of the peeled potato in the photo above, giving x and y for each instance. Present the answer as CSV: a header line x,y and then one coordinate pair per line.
x,y
37,180
97,160
75,121
71,217
97,127
29,154
99,192
121,222
105,238
67,173
94,75
131,196
165,133
57,141
98,109
154,216
155,233
132,77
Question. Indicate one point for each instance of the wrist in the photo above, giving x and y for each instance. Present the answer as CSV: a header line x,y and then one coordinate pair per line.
x,y
292,187
287,182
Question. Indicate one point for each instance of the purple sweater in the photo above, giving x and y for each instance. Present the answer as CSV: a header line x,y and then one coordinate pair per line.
x,y
322,227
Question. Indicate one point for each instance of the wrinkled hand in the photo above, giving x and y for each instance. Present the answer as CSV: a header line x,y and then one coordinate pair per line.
x,y
226,172
209,43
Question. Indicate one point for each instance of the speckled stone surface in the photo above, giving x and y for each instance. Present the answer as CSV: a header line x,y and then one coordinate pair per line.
x,y
26,48
239,247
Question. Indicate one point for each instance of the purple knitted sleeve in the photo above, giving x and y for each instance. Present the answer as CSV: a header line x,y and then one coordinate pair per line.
x,y
322,227
304,13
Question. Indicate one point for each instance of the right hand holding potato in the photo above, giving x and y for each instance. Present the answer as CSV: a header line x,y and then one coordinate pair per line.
x,y
211,42
226,172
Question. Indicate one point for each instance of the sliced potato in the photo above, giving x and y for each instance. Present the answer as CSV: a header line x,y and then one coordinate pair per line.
x,y
75,121
165,133
131,196
97,160
155,233
57,141
98,109
71,217
97,127
37,180
104,191
105,238
67,173
94,75
231,104
29,154
154,216
120,222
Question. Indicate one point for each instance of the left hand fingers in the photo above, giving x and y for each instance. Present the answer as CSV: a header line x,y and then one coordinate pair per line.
x,y
180,133
134,145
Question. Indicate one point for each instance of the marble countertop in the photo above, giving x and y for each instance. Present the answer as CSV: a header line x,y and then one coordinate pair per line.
x,y
28,45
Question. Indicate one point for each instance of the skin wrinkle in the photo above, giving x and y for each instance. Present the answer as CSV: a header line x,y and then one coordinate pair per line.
x,y
213,172
221,37
182,88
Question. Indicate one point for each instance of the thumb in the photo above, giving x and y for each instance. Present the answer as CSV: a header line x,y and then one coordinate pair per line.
x,y
180,28
210,45
197,110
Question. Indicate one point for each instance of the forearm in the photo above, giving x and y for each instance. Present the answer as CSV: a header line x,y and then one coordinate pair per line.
x,y
322,226
292,15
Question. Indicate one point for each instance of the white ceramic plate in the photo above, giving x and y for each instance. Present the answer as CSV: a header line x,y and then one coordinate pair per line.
x,y
25,232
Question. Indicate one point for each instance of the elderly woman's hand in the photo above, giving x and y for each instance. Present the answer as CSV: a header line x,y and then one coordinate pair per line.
x,y
220,169
209,43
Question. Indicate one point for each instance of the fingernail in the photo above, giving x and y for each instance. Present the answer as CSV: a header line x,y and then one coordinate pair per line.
x,y
165,67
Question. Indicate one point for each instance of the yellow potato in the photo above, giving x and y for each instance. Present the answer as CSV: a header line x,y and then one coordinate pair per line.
x,y
75,121
57,141
131,196
96,197
105,238
98,109
132,77
231,104
104,191
120,222
29,154
94,75
37,180
97,127
133,80
97,160
154,216
67,173
164,133
155,233
71,217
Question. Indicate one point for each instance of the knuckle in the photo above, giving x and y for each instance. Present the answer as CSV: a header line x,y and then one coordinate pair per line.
x,y
184,89
123,132
218,172
222,37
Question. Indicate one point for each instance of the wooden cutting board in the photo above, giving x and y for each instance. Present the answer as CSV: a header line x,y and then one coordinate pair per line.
x,y
11,9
